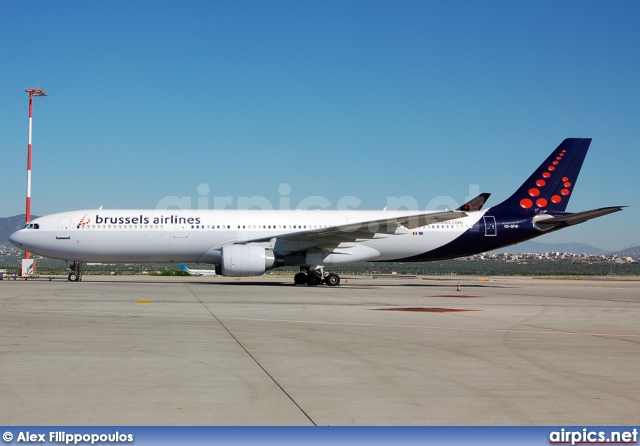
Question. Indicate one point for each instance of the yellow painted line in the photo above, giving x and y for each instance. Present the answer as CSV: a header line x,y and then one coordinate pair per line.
x,y
144,302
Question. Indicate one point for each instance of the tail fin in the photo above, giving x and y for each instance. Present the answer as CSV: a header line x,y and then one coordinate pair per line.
x,y
184,268
549,188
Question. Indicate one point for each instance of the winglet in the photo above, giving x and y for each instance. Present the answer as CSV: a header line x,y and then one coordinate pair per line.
x,y
475,204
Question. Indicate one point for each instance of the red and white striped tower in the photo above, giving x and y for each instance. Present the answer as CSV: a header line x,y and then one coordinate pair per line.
x,y
32,92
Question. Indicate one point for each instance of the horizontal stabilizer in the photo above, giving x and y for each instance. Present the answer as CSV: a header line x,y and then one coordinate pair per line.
x,y
577,218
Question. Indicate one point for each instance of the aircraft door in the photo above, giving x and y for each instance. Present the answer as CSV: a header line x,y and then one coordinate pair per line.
x,y
63,228
490,226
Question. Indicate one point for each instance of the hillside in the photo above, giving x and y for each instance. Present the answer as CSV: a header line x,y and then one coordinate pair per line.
x,y
629,252
9,225
531,247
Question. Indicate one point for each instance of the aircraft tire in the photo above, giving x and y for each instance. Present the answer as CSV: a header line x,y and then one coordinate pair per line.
x,y
300,279
73,277
332,279
313,279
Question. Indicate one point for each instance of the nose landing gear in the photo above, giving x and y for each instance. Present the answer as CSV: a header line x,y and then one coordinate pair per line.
x,y
76,272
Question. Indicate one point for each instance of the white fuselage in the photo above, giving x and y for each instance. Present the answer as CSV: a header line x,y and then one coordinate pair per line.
x,y
196,236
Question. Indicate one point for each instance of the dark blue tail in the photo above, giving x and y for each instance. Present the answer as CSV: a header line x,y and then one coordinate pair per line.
x,y
549,188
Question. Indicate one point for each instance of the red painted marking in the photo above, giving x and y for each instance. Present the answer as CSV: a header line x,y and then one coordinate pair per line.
x,y
567,184
558,158
546,175
565,178
551,168
555,163
534,192
455,296
425,309
541,202
540,183
556,199
526,203
564,191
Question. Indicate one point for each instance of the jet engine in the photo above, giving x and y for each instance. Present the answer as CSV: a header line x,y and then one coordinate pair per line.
x,y
246,260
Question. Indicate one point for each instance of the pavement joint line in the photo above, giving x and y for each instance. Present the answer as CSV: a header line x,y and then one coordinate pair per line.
x,y
251,356
355,324
434,327
558,331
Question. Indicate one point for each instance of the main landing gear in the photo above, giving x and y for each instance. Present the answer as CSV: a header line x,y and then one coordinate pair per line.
x,y
76,272
315,276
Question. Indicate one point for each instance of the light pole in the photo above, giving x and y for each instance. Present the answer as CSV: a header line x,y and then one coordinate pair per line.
x,y
28,266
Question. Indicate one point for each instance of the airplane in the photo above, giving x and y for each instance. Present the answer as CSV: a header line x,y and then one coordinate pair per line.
x,y
197,272
250,242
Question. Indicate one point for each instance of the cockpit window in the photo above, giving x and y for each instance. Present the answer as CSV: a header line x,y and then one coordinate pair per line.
x,y
32,226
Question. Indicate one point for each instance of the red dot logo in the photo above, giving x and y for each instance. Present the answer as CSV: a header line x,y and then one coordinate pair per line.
x,y
564,192
534,192
546,175
565,178
541,183
526,203
558,158
551,168
556,199
555,163
567,184
541,202
564,151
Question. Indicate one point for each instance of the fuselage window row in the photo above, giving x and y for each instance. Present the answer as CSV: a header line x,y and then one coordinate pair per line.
x,y
246,227
36,226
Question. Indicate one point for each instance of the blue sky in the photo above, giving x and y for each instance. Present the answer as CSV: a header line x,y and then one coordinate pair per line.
x,y
371,99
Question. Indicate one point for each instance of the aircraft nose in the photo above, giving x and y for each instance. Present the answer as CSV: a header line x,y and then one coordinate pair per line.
x,y
16,239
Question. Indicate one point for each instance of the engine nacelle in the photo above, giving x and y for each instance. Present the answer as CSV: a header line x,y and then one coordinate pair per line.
x,y
246,260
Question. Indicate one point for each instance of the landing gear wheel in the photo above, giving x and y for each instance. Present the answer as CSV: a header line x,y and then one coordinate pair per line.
x,y
313,279
76,272
300,279
332,279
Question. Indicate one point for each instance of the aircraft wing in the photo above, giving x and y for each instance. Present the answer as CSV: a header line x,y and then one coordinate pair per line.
x,y
357,231
577,218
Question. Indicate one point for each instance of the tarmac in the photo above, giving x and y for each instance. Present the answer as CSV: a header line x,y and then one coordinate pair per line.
x,y
259,351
